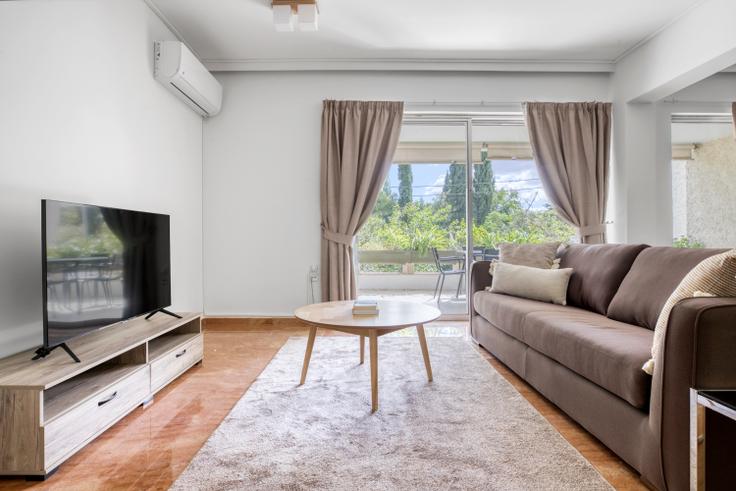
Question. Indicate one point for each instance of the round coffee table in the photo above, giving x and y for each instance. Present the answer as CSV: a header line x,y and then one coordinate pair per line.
x,y
392,316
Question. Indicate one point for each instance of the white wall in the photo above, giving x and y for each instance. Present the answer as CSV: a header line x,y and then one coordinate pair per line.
x,y
261,168
713,94
82,119
697,45
679,198
642,170
709,189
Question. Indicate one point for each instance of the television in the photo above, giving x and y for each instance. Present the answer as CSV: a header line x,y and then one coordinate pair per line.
x,y
100,266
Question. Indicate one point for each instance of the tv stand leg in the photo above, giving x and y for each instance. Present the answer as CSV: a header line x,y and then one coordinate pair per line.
x,y
163,311
70,352
44,351
41,477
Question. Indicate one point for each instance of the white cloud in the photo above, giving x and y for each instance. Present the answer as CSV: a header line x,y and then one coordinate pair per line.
x,y
526,182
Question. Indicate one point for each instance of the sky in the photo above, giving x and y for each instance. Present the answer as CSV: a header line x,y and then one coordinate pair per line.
x,y
521,175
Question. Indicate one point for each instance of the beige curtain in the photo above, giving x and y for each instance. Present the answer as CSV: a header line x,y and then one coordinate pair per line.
x,y
733,114
571,145
358,143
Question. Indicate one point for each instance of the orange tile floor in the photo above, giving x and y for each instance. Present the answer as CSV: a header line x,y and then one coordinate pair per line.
x,y
150,447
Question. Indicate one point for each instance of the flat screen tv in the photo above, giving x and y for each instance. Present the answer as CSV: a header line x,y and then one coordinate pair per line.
x,y
100,266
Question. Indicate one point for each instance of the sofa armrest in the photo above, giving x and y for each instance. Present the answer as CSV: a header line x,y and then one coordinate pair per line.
x,y
480,278
703,331
700,352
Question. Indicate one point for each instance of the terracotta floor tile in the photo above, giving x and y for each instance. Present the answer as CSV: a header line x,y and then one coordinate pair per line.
x,y
150,447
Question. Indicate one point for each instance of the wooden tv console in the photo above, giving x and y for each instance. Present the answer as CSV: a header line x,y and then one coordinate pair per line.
x,y
52,407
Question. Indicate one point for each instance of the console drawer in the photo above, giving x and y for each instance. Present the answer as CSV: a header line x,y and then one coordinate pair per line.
x,y
65,433
175,362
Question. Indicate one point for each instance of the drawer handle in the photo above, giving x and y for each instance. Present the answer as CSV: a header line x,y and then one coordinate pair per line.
x,y
184,352
105,401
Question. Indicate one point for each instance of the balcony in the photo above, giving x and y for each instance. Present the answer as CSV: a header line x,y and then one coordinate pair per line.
x,y
412,276
423,206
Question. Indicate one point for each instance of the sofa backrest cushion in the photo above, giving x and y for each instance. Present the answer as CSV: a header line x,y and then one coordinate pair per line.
x,y
597,272
653,277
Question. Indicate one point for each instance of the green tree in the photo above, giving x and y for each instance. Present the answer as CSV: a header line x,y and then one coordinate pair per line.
x,y
453,192
405,184
419,226
484,187
386,203
685,241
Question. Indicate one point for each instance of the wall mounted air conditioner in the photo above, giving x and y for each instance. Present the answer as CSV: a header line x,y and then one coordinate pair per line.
x,y
184,75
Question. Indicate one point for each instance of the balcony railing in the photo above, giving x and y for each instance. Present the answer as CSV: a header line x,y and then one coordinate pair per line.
x,y
406,259
409,259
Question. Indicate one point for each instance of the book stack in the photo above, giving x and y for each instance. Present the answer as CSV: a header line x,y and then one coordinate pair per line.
x,y
365,307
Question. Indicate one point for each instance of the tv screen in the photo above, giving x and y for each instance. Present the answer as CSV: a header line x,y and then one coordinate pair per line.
x,y
101,266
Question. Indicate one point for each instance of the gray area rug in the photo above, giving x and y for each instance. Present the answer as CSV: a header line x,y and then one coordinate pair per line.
x,y
469,429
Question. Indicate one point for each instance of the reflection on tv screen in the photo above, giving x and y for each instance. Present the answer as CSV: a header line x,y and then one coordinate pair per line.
x,y
103,265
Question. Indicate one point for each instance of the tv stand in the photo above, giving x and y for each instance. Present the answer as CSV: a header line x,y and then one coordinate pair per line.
x,y
163,311
50,409
44,351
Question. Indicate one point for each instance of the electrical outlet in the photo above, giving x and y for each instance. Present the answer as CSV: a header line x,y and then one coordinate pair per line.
x,y
314,272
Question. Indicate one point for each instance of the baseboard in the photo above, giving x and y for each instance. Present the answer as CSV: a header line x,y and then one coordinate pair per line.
x,y
217,323
224,324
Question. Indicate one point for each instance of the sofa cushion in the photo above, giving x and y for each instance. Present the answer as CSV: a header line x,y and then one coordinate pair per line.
x,y
507,313
598,270
545,285
532,255
653,277
606,352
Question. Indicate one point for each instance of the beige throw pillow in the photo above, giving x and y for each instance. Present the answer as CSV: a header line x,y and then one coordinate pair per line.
x,y
545,285
533,255
713,277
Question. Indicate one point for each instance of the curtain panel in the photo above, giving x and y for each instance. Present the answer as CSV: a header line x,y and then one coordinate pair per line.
x,y
571,143
359,139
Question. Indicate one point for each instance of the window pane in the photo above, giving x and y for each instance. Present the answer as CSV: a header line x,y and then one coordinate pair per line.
x,y
509,203
703,184
419,223
414,245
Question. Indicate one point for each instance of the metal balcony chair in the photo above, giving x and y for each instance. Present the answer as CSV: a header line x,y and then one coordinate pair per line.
x,y
452,261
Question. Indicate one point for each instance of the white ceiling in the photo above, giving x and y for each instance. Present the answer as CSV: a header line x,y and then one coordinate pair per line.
x,y
239,34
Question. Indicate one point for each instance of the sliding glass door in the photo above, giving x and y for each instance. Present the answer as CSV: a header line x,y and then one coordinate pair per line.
x,y
436,215
509,202
412,247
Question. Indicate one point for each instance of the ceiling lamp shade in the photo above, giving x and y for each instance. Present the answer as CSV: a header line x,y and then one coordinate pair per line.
x,y
288,12
308,15
283,21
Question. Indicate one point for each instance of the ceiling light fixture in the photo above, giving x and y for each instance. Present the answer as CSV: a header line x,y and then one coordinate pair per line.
x,y
282,18
306,13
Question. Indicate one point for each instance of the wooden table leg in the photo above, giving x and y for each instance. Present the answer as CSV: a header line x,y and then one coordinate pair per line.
x,y
308,353
362,349
373,340
425,351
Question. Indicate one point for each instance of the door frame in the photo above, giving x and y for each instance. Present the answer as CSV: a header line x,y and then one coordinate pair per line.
x,y
465,120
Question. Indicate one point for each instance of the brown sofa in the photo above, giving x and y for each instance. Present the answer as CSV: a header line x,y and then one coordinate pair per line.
x,y
586,357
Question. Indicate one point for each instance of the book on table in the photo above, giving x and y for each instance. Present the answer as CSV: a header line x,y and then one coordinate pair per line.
x,y
365,307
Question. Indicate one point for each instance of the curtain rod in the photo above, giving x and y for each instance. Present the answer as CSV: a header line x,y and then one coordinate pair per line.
x,y
701,118
481,103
